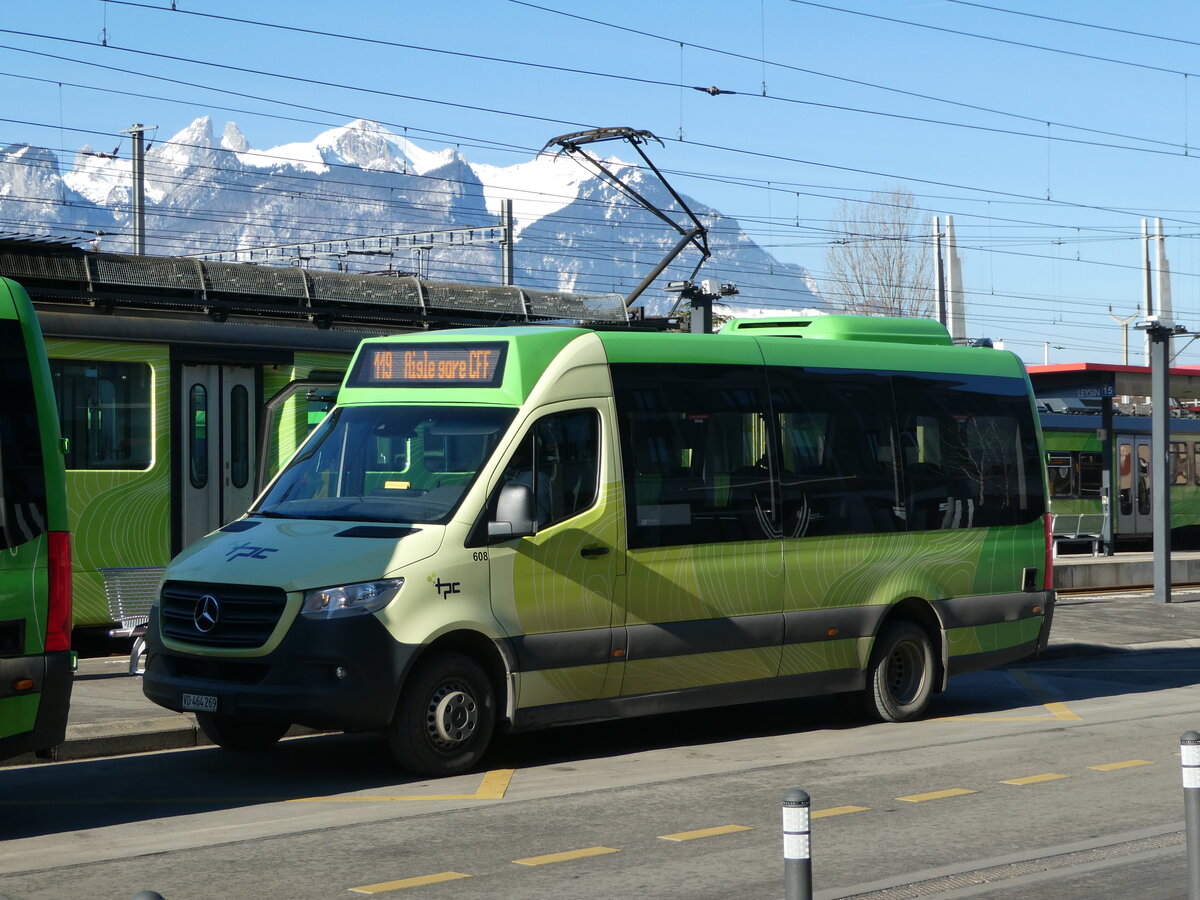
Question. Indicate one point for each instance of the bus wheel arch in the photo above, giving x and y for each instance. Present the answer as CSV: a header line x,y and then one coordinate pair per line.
x,y
447,709
907,664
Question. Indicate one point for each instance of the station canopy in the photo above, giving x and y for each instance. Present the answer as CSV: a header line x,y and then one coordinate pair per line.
x,y
1095,381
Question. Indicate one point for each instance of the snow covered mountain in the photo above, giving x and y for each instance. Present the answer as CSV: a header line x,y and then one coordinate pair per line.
x,y
573,231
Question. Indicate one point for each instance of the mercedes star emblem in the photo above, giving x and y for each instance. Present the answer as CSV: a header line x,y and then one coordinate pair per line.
x,y
206,613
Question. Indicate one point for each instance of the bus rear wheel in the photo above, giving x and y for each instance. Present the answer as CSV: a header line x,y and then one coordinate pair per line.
x,y
900,674
240,734
445,717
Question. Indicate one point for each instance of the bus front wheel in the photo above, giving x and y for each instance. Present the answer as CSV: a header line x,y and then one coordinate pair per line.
x,y
445,717
242,735
900,674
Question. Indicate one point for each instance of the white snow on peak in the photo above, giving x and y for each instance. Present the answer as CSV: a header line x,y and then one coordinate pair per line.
x,y
537,188
362,143
96,176
184,147
233,139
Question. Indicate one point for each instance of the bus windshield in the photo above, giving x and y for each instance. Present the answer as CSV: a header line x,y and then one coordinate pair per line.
x,y
408,464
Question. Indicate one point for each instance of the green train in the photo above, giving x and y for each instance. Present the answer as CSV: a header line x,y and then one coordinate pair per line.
x,y
1079,484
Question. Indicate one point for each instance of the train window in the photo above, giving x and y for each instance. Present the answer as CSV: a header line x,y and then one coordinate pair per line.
x,y
1061,471
1091,473
1125,479
239,436
1180,463
198,435
104,412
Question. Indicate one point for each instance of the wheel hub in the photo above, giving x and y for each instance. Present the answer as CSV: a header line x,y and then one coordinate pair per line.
x,y
453,715
904,673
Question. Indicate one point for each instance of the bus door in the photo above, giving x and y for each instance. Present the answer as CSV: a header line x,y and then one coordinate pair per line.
x,y
216,422
1133,485
559,590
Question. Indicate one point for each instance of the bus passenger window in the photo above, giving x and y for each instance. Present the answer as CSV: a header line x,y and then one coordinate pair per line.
x,y
980,433
838,473
698,453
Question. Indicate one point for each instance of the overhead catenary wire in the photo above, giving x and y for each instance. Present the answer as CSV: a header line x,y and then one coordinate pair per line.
x,y
1111,208
1180,149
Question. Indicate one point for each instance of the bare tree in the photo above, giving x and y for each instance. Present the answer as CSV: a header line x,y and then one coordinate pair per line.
x,y
881,263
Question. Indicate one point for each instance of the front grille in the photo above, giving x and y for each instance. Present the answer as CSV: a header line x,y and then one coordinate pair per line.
x,y
227,670
245,614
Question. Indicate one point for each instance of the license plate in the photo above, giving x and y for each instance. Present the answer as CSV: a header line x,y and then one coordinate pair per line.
x,y
199,703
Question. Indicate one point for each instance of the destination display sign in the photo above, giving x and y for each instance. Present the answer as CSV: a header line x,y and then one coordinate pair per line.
x,y
430,365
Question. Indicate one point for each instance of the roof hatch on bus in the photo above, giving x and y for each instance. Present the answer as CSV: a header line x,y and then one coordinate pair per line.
x,y
892,329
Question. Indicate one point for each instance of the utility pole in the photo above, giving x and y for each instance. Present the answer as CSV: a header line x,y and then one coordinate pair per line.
x,y
1147,287
138,133
1162,283
1124,323
956,313
506,245
939,275
1159,334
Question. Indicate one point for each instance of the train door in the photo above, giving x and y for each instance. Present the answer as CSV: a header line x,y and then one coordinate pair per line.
x,y
215,421
1133,486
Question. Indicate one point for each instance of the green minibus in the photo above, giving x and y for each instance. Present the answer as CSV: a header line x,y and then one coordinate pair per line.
x,y
512,528
36,662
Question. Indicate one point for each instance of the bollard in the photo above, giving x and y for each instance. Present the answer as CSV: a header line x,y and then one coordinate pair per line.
x,y
1189,750
797,845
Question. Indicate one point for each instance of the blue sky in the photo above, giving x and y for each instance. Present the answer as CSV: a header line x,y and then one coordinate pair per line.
x,y
1047,160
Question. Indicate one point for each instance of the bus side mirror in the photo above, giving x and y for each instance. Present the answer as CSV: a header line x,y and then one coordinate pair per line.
x,y
515,515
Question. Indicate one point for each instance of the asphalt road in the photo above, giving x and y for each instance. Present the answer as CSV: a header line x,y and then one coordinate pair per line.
x,y
1059,778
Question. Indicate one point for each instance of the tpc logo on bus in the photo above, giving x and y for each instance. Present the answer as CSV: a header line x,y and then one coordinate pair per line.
x,y
249,552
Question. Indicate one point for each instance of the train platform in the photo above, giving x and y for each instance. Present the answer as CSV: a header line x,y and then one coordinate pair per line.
x,y
1084,572
110,716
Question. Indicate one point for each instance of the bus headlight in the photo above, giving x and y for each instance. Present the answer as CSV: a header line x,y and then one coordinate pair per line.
x,y
350,599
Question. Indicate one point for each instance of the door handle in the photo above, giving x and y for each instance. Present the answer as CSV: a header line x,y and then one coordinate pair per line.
x,y
593,551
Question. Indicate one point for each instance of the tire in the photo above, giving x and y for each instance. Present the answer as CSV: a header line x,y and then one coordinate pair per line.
x,y
445,717
900,674
239,734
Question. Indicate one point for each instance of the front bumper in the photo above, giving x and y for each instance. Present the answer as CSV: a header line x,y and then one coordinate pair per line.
x,y
298,682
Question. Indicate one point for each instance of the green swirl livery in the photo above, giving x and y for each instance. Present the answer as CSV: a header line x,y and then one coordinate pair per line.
x,y
36,661
514,528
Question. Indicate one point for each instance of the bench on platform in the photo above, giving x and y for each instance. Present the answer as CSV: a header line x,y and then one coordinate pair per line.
x,y
1069,528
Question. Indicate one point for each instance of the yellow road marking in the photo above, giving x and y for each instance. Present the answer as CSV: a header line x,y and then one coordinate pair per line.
x,y
564,856
936,795
1127,764
403,883
703,833
493,787
1057,709
838,811
1035,779
494,784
